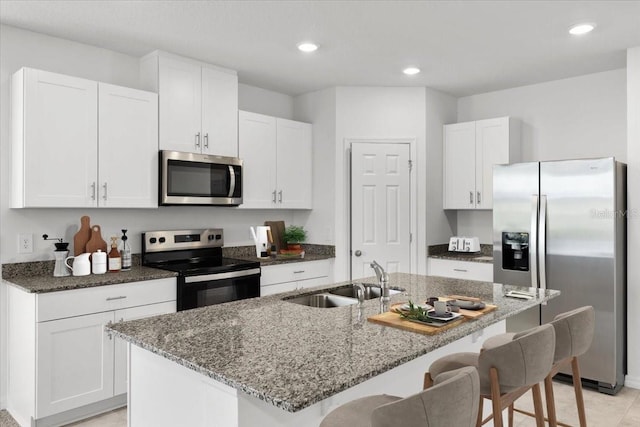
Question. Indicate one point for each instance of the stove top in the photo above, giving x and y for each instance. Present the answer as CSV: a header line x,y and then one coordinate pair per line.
x,y
211,266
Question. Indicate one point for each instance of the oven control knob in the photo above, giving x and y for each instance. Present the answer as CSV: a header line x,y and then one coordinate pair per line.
x,y
218,236
211,237
152,240
162,240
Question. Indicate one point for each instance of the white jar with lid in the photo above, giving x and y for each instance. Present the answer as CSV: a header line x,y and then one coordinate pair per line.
x,y
99,262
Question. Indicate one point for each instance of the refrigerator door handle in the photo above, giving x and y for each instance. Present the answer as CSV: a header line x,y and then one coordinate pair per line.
x,y
542,242
533,241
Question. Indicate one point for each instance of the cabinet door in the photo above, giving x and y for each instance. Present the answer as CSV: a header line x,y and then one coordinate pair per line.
x,y
257,147
120,357
219,113
459,166
492,148
294,165
180,105
74,363
60,140
127,147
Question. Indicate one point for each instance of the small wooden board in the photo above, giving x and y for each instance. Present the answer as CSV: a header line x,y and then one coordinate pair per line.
x,y
277,231
393,319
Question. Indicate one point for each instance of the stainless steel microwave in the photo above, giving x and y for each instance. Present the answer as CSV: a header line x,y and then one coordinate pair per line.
x,y
199,179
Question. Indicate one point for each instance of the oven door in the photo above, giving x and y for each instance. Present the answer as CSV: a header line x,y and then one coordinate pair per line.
x,y
199,179
209,289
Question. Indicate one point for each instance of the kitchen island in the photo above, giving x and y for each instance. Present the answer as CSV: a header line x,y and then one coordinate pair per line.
x,y
269,362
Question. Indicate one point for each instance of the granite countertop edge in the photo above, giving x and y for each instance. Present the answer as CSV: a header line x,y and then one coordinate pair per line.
x,y
442,252
293,406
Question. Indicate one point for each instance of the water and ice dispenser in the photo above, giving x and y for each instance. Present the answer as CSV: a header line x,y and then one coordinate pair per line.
x,y
515,251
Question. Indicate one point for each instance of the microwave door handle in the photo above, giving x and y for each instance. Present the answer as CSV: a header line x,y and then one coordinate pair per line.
x,y
232,181
533,241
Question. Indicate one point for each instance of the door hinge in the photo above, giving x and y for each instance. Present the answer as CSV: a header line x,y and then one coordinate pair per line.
x,y
410,165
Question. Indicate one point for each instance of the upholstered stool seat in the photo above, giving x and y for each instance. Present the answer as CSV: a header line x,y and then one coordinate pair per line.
x,y
508,366
452,401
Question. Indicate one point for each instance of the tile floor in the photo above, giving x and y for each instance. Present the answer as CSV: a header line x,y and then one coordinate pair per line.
x,y
622,410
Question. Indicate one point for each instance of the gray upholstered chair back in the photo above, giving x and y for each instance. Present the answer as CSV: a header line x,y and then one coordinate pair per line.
x,y
452,401
574,332
521,362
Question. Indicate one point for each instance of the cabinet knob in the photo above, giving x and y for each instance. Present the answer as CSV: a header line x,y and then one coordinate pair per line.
x,y
358,252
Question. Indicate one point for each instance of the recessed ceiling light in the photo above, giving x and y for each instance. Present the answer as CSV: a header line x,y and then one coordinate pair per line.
x,y
307,47
410,71
580,29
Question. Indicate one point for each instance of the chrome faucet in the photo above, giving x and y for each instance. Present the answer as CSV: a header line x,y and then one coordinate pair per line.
x,y
383,280
360,292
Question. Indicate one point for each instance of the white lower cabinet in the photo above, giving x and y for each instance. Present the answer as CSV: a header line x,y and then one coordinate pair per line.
x,y
280,278
63,365
467,270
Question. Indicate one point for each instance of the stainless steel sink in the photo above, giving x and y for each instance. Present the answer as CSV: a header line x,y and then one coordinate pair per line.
x,y
322,300
371,291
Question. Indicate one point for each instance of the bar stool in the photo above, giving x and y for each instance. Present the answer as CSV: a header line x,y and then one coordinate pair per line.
x,y
452,401
574,335
509,365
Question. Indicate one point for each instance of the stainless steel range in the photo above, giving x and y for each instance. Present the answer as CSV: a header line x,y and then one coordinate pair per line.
x,y
205,277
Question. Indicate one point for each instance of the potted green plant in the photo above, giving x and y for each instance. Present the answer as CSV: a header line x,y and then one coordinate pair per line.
x,y
294,235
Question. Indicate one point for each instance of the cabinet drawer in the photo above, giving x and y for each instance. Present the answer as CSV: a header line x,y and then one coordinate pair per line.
x,y
461,269
293,272
76,302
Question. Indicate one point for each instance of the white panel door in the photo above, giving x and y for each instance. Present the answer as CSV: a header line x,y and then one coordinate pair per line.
x,y
294,165
459,166
257,147
127,147
75,363
380,208
492,148
120,357
60,140
219,113
180,83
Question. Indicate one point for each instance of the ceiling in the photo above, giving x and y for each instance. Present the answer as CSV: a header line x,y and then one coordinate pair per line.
x,y
462,47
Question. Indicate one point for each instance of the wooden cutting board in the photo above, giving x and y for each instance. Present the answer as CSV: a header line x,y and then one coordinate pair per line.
x,y
394,320
96,241
277,231
83,235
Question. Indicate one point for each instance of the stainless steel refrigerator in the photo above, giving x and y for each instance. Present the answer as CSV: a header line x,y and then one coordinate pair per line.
x,y
562,225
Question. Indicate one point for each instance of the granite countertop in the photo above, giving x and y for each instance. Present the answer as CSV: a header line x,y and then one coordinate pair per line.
x,y
441,252
312,253
293,356
40,283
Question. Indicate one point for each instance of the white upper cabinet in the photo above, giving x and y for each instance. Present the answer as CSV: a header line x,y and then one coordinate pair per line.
x,y
198,104
471,149
80,143
277,162
55,134
127,147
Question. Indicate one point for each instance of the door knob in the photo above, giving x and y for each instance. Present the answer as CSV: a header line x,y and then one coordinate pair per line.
x,y
358,252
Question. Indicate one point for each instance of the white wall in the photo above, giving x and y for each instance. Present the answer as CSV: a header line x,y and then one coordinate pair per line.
x,y
374,113
633,223
24,48
578,117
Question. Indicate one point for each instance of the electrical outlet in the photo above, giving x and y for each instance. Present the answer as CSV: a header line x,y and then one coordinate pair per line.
x,y
25,243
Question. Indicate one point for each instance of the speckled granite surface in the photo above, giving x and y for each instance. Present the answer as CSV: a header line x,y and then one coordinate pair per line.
x,y
40,268
442,252
293,356
6,420
47,283
311,253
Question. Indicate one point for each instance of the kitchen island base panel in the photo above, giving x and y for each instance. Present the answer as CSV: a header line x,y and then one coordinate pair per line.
x,y
158,388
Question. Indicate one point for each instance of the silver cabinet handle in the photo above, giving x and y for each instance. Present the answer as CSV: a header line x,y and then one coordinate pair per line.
x,y
460,269
110,336
206,140
274,196
93,191
470,197
198,140
280,196
115,298
298,272
358,252
104,195
478,197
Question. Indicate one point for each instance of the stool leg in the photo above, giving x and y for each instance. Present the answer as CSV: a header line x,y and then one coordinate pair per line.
x,y
511,415
551,404
428,381
495,398
577,387
537,404
480,409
